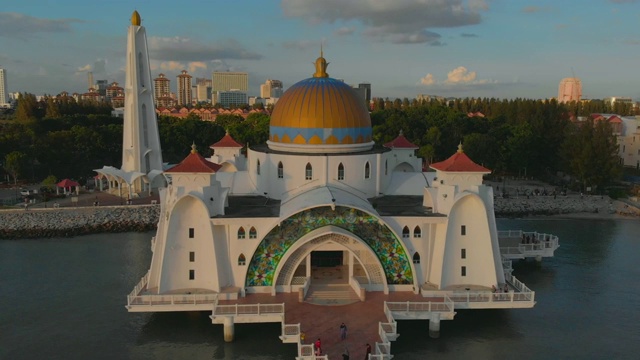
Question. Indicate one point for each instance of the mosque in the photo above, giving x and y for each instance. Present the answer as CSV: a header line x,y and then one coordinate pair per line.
x,y
322,194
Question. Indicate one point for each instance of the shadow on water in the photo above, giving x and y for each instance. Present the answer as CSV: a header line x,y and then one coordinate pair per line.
x,y
193,334
468,327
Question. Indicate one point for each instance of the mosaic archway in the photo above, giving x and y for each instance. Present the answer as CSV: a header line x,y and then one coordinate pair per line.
x,y
379,237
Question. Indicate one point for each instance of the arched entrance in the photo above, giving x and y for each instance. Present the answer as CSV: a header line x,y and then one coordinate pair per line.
x,y
365,236
331,255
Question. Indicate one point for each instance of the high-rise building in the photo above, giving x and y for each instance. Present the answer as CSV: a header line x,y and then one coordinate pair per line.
x,y
367,92
271,88
184,88
4,98
231,98
90,80
161,88
570,89
101,87
226,81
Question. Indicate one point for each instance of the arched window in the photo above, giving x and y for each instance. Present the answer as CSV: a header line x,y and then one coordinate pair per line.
x,y
340,172
253,234
258,167
308,172
386,167
417,232
242,261
405,232
280,170
241,233
416,258
367,170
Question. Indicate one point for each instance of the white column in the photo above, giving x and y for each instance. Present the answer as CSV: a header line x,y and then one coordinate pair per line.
x,y
228,329
434,326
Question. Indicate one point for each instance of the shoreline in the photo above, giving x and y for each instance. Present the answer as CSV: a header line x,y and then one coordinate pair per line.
x,y
74,221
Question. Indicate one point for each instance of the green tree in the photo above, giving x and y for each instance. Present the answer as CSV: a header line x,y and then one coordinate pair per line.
x,y
15,163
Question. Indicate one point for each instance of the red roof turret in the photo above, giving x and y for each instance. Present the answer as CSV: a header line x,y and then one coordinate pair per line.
x,y
400,142
228,142
195,163
459,162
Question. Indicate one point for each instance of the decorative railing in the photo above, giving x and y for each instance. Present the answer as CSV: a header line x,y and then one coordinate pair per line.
x,y
135,299
539,242
249,309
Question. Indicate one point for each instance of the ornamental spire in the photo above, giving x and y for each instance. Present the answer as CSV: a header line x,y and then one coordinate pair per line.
x,y
135,18
460,151
193,148
321,66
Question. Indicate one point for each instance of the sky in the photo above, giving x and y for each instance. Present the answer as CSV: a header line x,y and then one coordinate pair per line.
x,y
453,48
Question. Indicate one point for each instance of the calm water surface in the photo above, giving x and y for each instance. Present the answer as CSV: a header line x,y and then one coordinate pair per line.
x,y
64,299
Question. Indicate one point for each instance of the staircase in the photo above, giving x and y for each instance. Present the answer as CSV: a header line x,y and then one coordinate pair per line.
x,y
331,294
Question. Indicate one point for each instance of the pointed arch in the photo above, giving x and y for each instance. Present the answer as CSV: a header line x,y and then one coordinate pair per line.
x,y
405,232
367,170
386,167
280,170
258,167
416,258
308,172
340,172
242,260
417,232
241,233
253,234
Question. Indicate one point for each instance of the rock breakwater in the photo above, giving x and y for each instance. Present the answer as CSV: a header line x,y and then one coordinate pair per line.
x,y
65,222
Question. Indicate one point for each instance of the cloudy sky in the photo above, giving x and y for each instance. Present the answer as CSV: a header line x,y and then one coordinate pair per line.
x,y
480,48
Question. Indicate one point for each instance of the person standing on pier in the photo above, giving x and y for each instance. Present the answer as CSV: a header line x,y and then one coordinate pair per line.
x,y
318,345
343,331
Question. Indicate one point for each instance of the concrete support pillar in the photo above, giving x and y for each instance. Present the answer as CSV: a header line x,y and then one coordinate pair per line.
x,y
228,329
308,264
434,326
538,259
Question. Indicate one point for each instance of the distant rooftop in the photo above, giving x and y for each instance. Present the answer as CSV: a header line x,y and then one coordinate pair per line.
x,y
251,206
401,205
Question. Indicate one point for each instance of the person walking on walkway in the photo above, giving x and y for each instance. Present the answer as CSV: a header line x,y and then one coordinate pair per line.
x,y
343,331
366,355
318,345
345,354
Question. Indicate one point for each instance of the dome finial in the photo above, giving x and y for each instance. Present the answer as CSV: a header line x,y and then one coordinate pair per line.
x,y
321,66
135,18
460,148
400,134
193,148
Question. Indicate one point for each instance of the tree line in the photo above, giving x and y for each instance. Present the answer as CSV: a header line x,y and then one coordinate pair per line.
x,y
515,137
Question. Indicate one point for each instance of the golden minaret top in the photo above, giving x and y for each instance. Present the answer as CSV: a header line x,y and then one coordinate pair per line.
x,y
135,18
321,66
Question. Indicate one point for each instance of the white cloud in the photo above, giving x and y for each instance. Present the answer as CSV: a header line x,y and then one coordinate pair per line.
x,y
84,68
398,21
15,25
460,75
184,49
195,65
302,44
428,80
343,31
456,78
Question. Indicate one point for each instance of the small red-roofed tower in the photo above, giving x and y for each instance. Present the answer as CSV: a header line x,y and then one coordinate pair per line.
x,y
228,153
402,156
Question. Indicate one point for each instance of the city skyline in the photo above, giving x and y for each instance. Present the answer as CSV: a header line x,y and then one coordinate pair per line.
x,y
472,48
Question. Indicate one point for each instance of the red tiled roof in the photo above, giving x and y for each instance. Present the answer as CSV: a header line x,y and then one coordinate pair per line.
x,y
400,142
195,163
228,142
459,162
615,119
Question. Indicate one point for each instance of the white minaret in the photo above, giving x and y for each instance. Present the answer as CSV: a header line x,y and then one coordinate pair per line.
x,y
141,141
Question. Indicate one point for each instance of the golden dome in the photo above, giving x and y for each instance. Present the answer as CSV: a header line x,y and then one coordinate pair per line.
x,y
320,111
135,18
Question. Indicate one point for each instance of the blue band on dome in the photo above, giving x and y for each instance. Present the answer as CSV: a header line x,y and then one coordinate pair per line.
x,y
322,133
